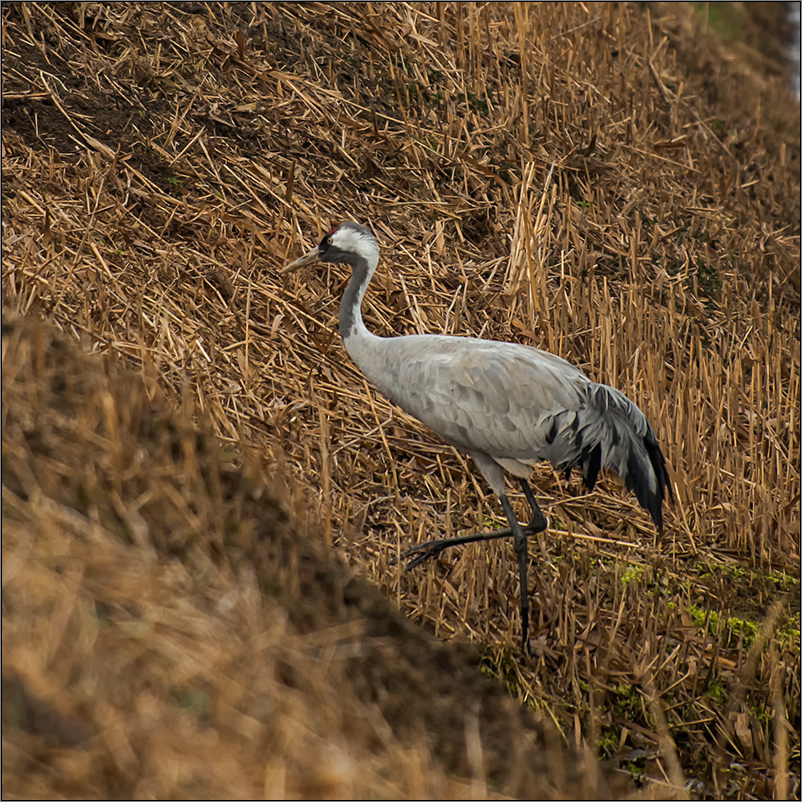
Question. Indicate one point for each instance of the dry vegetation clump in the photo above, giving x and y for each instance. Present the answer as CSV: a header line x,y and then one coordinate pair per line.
x,y
169,632
609,182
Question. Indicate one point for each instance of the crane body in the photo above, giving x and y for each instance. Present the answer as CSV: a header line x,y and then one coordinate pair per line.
x,y
508,406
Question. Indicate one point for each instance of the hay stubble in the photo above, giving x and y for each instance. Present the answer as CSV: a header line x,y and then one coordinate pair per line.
x,y
592,195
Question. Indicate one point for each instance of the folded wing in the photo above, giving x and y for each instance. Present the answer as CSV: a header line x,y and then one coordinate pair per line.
x,y
519,405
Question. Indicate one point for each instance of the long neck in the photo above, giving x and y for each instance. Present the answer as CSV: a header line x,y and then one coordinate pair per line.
x,y
352,329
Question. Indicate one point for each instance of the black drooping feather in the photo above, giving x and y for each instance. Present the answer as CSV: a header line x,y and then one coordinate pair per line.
x,y
653,502
637,480
618,436
591,465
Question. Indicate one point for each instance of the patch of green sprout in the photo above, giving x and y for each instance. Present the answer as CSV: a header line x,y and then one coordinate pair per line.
x,y
716,690
632,572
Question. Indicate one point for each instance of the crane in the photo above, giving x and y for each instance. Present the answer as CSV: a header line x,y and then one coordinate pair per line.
x,y
506,405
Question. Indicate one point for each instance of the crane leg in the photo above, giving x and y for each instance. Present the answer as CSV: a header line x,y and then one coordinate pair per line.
x,y
432,548
538,522
423,551
519,539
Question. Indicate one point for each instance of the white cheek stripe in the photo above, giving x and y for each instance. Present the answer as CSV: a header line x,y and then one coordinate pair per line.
x,y
347,239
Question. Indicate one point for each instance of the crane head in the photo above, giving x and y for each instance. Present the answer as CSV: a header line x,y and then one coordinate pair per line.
x,y
346,242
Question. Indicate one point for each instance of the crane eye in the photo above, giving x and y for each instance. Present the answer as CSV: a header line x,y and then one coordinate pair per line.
x,y
326,241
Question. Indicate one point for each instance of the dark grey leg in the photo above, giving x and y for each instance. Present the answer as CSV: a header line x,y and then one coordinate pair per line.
x,y
423,551
520,549
432,548
538,522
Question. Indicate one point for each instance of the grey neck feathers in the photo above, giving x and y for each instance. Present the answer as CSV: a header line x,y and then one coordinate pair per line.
x,y
351,304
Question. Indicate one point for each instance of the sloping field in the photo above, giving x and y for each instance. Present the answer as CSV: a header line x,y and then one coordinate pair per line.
x,y
170,632
609,182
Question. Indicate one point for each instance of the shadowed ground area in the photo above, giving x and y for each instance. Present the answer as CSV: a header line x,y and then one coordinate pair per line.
x,y
170,631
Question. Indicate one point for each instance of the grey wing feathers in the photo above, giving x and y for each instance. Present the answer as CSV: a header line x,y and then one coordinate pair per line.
x,y
498,401
519,405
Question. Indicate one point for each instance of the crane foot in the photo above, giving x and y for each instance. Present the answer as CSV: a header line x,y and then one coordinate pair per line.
x,y
433,548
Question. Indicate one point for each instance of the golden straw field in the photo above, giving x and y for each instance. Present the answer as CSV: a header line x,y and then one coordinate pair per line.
x,y
204,502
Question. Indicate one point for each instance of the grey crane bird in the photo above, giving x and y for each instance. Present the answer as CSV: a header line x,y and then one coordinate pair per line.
x,y
507,406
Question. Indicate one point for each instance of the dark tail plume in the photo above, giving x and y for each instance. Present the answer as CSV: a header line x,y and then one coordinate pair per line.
x,y
628,447
651,499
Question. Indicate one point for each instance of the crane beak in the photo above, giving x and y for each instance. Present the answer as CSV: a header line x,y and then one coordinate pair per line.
x,y
302,261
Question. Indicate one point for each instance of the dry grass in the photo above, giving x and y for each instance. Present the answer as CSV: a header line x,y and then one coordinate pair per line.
x,y
169,632
621,191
